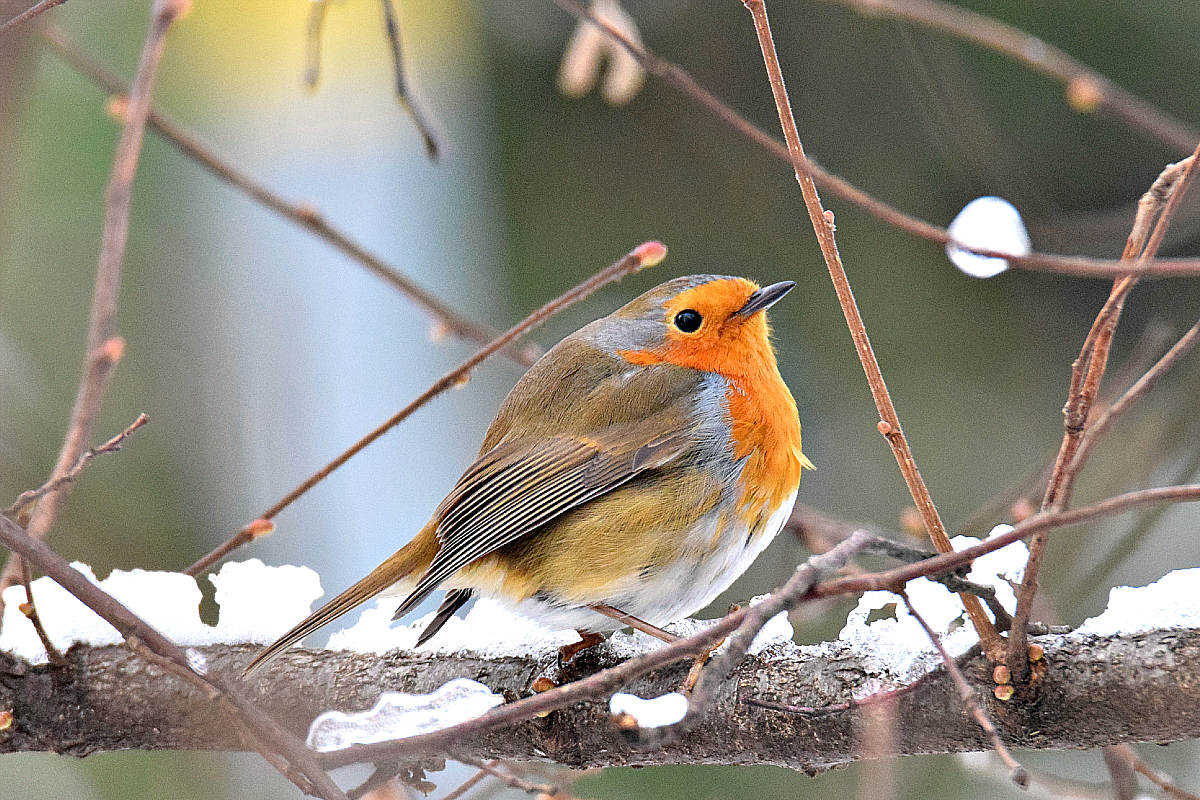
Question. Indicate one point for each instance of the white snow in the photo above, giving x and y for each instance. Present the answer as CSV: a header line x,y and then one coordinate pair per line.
x,y
778,630
899,648
989,223
489,630
1172,601
655,712
396,715
259,603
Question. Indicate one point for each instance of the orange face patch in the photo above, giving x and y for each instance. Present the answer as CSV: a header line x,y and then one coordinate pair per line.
x,y
765,430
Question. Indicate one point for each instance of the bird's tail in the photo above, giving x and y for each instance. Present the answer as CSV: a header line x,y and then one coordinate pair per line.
x,y
409,561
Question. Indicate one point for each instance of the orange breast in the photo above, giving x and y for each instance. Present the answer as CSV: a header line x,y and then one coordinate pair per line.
x,y
766,433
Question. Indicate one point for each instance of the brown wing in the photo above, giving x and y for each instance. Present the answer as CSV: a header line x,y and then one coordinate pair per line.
x,y
521,485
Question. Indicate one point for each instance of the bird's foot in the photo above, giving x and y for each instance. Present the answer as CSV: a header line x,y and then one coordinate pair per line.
x,y
568,652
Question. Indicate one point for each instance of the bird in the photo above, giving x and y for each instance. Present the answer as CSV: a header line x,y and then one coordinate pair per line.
x,y
639,466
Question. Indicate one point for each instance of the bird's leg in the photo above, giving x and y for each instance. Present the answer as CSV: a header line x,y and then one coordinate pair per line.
x,y
634,622
587,639
693,675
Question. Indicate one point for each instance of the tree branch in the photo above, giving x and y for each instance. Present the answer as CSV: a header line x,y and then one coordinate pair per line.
x,y
106,699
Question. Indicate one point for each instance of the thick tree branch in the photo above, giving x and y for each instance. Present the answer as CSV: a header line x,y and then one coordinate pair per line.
x,y
1097,691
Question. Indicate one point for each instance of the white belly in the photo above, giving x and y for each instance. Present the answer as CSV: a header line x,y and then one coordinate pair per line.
x,y
676,592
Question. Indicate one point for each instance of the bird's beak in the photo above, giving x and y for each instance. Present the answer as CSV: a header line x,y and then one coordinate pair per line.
x,y
764,298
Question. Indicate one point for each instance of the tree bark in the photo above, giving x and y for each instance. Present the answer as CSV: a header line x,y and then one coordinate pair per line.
x,y
1097,691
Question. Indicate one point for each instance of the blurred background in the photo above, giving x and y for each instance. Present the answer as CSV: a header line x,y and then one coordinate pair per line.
x,y
259,352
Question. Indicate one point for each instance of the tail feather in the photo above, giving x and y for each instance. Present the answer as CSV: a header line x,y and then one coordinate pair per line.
x,y
453,602
414,556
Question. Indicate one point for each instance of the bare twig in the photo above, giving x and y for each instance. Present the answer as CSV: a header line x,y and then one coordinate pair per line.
x,y
645,255
301,214
104,348
111,446
876,727
22,504
1086,89
313,30
404,93
29,609
1162,200
1124,779
469,783
755,617
1018,773
36,10
679,79
1135,762
268,736
889,420
1038,523
820,532
544,791
1137,391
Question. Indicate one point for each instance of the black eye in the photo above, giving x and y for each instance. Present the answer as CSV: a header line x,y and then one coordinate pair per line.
x,y
688,320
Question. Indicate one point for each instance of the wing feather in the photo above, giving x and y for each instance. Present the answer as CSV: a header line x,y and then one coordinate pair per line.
x,y
522,485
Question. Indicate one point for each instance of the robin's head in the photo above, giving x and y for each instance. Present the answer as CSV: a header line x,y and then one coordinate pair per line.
x,y
714,323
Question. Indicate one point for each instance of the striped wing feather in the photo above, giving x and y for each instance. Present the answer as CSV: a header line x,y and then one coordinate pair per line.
x,y
521,485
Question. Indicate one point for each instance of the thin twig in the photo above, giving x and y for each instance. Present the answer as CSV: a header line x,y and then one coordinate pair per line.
x,y
404,93
35,10
1038,523
1087,371
29,609
307,217
113,445
104,348
645,255
876,728
786,597
469,783
678,78
516,782
269,736
1124,780
820,532
1138,765
1018,773
1086,89
313,30
1137,391
889,420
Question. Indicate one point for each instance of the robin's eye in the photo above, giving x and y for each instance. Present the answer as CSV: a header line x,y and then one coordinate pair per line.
x,y
688,320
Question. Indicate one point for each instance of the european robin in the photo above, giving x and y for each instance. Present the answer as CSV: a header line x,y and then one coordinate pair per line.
x,y
641,464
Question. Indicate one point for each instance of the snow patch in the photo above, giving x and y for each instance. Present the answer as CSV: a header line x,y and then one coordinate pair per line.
x,y
655,712
258,603
989,223
899,647
396,715
489,630
1172,601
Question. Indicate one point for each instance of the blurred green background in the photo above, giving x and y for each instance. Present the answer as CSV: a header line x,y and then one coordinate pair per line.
x,y
259,352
